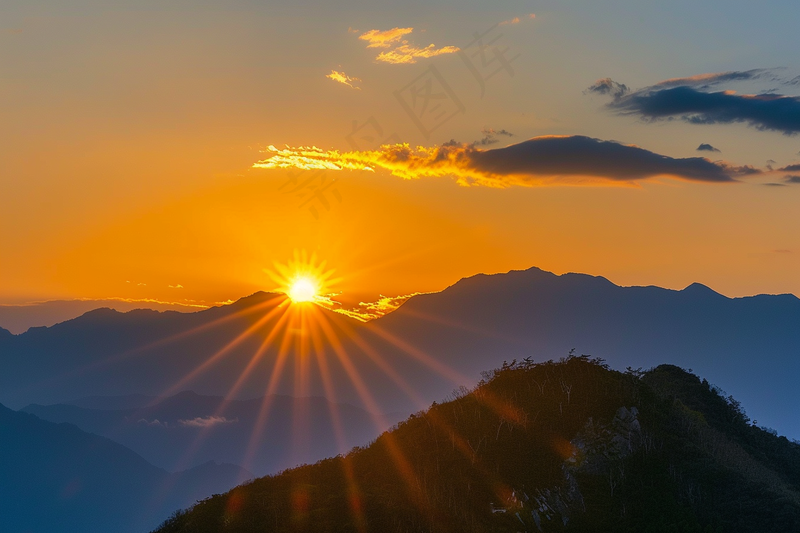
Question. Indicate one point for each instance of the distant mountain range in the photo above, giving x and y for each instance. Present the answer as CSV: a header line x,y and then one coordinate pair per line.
x,y
17,318
431,344
188,429
58,478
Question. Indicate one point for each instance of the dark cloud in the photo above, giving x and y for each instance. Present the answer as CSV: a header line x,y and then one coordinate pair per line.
x,y
765,111
790,168
490,136
707,148
787,180
607,86
584,156
690,100
709,80
547,160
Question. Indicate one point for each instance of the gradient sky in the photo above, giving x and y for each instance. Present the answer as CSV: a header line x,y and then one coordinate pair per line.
x,y
129,131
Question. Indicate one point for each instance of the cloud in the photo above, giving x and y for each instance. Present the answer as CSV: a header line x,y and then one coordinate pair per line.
x,y
607,86
206,421
715,78
791,168
792,179
343,78
689,99
178,286
547,160
407,53
384,39
490,136
367,311
402,51
707,148
154,422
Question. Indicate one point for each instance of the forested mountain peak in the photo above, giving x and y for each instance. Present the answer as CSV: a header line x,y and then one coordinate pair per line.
x,y
567,445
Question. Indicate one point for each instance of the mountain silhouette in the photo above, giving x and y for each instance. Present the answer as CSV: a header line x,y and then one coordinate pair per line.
x,y
540,447
56,477
433,343
106,403
188,429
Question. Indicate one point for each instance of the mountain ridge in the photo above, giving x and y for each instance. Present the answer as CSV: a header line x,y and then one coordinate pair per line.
x,y
567,445
58,477
436,341
189,429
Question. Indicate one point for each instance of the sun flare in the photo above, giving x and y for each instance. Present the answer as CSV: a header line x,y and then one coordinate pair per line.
x,y
304,279
303,289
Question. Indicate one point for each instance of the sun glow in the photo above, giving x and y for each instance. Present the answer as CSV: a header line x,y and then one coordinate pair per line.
x,y
303,289
305,279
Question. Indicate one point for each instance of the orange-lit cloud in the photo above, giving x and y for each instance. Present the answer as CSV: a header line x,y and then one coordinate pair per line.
x,y
547,160
367,311
343,78
386,38
403,51
409,53
517,20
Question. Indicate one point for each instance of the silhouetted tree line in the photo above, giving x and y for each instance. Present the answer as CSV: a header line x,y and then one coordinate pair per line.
x,y
539,446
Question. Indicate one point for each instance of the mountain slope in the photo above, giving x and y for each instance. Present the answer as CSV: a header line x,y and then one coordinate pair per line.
x,y
191,428
536,313
568,446
432,343
106,353
57,478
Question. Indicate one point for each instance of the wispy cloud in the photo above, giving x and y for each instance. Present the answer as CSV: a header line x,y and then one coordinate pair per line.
x,y
711,79
704,147
692,100
607,86
548,160
402,51
367,311
408,53
344,79
206,421
155,422
490,136
517,20
386,38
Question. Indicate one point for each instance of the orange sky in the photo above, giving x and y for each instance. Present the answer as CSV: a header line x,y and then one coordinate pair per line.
x,y
126,158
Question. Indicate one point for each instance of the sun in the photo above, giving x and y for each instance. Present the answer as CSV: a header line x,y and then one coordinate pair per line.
x,y
304,279
303,289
